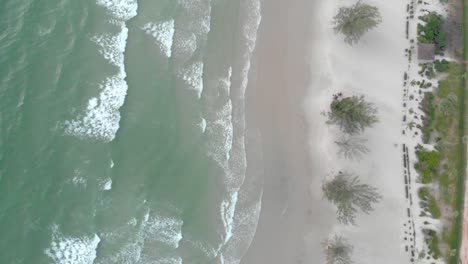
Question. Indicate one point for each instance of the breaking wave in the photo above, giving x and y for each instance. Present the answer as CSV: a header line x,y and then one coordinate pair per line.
x,y
72,250
163,33
101,118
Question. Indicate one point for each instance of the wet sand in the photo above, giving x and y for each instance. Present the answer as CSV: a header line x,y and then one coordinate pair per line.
x,y
282,65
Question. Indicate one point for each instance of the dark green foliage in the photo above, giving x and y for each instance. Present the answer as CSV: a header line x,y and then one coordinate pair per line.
x,y
427,164
352,114
350,196
432,31
337,250
354,21
427,106
441,65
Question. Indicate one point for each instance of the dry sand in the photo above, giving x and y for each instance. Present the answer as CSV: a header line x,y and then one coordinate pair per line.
x,y
373,68
301,63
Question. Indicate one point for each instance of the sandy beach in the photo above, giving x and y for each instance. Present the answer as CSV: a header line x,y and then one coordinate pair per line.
x,y
282,64
301,63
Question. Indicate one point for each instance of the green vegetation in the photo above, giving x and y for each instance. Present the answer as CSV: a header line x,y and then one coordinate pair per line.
x,y
427,164
427,106
337,250
429,202
350,196
431,31
441,65
443,126
460,151
352,114
432,241
354,21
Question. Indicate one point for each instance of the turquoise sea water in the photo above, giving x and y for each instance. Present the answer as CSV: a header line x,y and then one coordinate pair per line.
x,y
122,131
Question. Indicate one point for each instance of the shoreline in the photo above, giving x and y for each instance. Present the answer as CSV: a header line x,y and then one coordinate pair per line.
x,y
275,105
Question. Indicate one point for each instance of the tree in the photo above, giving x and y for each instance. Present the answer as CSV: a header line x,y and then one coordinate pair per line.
x,y
349,196
352,114
337,250
354,21
352,147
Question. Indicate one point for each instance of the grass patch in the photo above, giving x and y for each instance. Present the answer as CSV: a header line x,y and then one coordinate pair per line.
x,y
432,242
427,106
441,65
459,180
429,202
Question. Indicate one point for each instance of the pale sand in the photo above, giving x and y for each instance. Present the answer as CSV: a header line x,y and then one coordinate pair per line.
x,y
283,73
300,64
373,68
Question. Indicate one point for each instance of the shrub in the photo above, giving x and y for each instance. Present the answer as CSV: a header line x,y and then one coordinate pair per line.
x,y
427,164
354,21
427,106
352,114
441,65
432,31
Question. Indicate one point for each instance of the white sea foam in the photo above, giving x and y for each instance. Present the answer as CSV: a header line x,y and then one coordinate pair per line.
x,y
244,226
111,164
102,116
193,34
200,13
106,184
224,84
168,260
112,47
228,208
193,77
101,120
250,30
221,130
120,9
185,44
163,229
207,249
202,125
78,178
163,33
72,250
240,225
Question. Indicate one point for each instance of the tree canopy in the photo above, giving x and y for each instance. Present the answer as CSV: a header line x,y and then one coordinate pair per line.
x,y
354,21
337,250
352,114
350,196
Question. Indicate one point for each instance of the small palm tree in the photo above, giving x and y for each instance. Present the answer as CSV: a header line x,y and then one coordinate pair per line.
x,y
352,114
337,250
354,21
350,196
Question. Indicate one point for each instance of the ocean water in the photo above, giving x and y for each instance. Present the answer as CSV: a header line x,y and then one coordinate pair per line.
x,y
123,131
